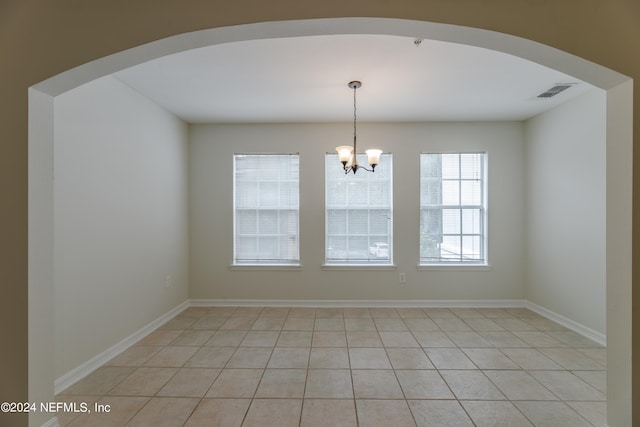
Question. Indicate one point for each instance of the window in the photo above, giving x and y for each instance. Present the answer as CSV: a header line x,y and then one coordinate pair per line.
x,y
452,208
358,213
266,213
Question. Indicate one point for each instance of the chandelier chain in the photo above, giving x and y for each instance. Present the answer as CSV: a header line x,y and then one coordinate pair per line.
x,y
354,119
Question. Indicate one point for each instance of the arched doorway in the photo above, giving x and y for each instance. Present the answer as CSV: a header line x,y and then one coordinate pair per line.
x,y
618,144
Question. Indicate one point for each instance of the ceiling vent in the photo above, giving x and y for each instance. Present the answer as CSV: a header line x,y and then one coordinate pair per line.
x,y
555,90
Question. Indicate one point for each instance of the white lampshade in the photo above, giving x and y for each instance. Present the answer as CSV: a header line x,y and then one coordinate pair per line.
x,y
344,152
373,155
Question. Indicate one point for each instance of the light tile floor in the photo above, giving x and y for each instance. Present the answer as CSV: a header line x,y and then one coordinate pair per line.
x,y
275,366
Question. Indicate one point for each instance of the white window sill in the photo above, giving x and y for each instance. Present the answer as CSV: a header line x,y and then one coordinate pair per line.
x,y
365,267
456,267
256,267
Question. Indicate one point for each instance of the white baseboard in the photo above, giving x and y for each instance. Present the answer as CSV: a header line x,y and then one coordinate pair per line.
x,y
358,303
585,331
94,363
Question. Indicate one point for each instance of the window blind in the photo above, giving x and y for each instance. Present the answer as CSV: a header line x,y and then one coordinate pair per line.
x,y
452,208
266,209
358,219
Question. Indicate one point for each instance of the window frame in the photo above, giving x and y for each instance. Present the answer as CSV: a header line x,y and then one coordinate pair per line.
x,y
483,262
368,263
256,264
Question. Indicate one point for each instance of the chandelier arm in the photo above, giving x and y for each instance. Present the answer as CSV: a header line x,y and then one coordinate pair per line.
x,y
357,168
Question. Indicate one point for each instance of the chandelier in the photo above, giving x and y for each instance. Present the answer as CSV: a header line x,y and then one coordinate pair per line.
x,y
347,154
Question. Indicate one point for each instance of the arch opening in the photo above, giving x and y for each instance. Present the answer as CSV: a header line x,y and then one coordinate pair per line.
x,y
618,161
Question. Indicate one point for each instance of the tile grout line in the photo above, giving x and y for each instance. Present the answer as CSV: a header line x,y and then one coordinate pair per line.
x,y
499,348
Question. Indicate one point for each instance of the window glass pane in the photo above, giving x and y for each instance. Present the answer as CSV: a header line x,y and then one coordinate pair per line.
x,y
379,222
450,247
431,192
378,193
268,169
431,166
247,247
431,221
452,208
471,221
337,192
268,222
246,221
266,208
471,166
379,249
451,221
245,194
337,221
430,247
450,166
337,247
358,221
471,193
269,194
358,212
288,223
471,247
290,245
358,247
357,193
268,247
451,193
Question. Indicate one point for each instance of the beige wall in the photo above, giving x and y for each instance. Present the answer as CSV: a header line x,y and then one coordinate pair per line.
x,y
120,218
565,195
211,150
41,38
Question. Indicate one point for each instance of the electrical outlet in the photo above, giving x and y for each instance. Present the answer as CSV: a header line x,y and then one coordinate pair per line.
x,y
167,282
403,277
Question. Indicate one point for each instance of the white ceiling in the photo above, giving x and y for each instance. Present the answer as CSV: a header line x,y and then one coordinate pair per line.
x,y
304,79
